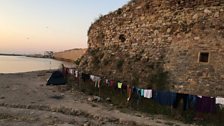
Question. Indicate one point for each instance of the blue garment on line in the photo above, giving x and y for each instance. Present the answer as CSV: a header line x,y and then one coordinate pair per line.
x,y
138,91
189,101
142,92
164,97
192,100
137,94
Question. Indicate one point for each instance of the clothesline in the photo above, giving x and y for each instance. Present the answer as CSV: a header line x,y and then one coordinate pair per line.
x,y
204,103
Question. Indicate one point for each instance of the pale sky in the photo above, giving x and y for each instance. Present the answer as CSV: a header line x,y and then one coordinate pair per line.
x,y
35,26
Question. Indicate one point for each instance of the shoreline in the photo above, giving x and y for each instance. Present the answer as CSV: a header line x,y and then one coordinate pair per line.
x,y
27,55
29,72
23,64
64,60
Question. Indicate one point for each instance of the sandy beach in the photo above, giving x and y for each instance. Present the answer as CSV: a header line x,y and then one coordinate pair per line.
x,y
25,100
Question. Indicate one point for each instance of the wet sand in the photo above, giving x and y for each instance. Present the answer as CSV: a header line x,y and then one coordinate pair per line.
x,y
25,100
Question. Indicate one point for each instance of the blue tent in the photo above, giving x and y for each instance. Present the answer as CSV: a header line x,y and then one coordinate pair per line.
x,y
57,78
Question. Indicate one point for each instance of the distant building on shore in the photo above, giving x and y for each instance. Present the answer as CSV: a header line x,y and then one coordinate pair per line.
x,y
48,54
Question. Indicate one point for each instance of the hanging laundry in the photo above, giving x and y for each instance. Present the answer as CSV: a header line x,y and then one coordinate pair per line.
x,y
148,93
97,81
220,100
119,85
134,90
142,92
191,101
164,97
199,96
76,74
107,82
85,77
180,97
136,93
66,71
113,84
124,87
71,71
129,92
205,104
92,77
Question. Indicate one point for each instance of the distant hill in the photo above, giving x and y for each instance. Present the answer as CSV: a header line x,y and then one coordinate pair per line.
x,y
69,55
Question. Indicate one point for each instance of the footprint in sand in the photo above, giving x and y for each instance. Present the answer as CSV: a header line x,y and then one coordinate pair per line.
x,y
2,97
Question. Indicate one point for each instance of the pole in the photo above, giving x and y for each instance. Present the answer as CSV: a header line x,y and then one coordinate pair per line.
x,y
50,65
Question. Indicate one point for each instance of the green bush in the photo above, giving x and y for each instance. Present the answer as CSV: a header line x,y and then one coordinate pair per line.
x,y
77,62
160,79
120,63
96,61
93,52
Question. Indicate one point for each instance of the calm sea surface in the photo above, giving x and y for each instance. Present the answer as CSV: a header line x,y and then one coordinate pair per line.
x,y
18,64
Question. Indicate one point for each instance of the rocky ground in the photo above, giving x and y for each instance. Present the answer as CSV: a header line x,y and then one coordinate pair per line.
x,y
25,100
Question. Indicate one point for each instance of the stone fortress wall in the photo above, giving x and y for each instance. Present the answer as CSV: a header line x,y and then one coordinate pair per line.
x,y
172,44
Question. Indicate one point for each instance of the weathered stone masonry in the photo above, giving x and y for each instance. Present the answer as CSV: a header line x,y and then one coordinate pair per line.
x,y
173,44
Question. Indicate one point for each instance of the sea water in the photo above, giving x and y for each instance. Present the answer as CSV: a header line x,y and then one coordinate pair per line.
x,y
19,64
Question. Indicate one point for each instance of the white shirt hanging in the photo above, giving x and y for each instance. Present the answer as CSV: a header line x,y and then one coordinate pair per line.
x,y
148,93
219,100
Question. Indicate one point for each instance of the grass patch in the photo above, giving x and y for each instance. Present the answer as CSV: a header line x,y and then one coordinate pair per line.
x,y
120,63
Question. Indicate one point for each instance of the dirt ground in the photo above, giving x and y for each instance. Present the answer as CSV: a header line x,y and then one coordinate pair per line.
x,y
25,100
